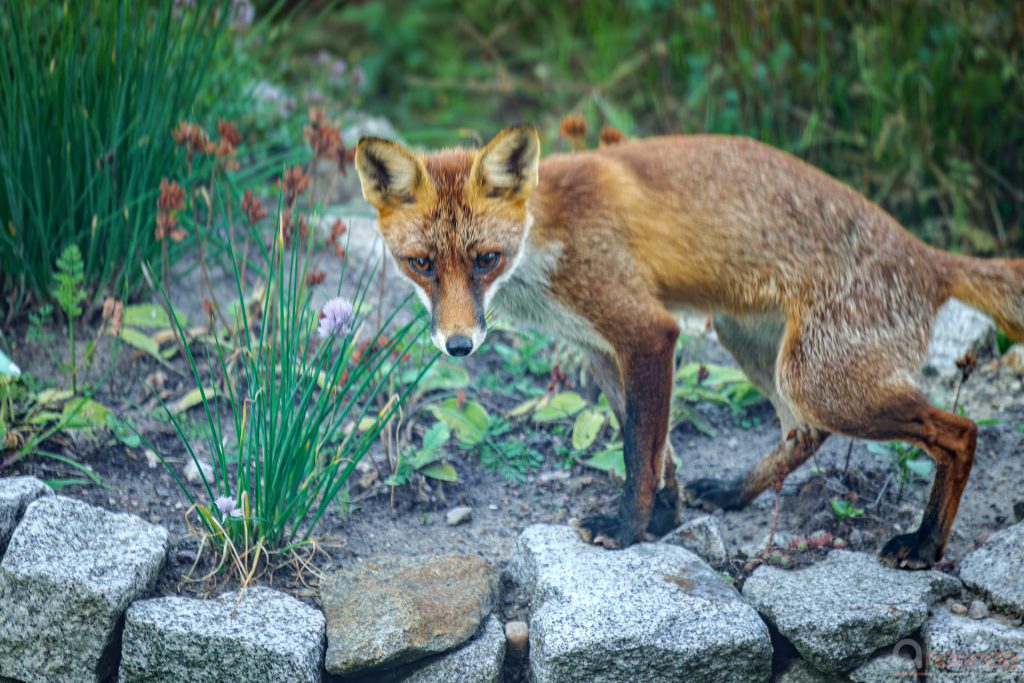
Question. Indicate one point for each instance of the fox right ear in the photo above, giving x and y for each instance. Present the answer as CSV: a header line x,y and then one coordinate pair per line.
x,y
507,166
389,173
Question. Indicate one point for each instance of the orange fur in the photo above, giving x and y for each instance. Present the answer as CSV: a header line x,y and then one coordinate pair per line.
x,y
825,300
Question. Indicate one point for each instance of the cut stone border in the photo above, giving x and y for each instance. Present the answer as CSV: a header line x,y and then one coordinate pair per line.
x,y
262,635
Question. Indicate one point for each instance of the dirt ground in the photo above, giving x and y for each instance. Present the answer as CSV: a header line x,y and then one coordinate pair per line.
x,y
411,519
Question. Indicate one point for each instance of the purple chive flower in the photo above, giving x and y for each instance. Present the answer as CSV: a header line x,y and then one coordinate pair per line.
x,y
228,507
336,317
358,77
245,13
338,68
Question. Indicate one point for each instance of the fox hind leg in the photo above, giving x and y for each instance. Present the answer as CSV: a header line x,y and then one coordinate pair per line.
x,y
754,342
864,390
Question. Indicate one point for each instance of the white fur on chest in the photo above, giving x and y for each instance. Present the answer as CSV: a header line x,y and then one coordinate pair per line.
x,y
526,297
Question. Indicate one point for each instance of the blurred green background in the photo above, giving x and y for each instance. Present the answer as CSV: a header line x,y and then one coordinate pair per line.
x,y
918,104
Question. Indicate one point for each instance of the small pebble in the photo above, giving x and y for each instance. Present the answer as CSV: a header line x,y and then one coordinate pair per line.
x,y
492,506
958,608
192,473
977,610
517,639
151,459
458,515
154,518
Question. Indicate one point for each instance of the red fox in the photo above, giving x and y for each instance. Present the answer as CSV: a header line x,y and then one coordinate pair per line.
x,y
825,301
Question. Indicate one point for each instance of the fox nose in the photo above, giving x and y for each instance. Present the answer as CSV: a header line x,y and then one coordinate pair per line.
x,y
459,345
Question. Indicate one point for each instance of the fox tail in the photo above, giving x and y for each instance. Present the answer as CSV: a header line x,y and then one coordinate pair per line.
x,y
995,286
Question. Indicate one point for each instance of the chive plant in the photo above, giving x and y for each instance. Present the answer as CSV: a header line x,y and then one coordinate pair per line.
x,y
296,403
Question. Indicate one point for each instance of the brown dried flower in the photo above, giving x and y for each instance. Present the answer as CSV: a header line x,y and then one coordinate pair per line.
x,y
574,128
315,277
346,157
323,138
296,181
338,229
193,138
113,312
228,131
252,208
610,135
172,196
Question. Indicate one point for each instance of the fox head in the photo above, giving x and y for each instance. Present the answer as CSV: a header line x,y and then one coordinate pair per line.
x,y
455,222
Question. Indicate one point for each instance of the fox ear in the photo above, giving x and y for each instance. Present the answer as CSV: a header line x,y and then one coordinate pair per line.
x,y
389,173
507,166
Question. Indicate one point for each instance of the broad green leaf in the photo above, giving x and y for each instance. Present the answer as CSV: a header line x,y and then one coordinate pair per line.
x,y
560,407
84,413
190,400
587,427
440,471
469,423
922,467
7,366
53,396
437,436
141,342
609,460
524,407
441,377
151,316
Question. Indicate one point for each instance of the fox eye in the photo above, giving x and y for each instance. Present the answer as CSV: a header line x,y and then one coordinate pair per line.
x,y
421,265
487,262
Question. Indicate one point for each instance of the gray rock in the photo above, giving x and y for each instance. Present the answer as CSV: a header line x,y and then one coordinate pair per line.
x,y
958,328
652,612
458,515
703,536
995,569
15,495
802,672
70,571
264,636
397,610
885,668
756,548
839,611
479,660
962,649
977,610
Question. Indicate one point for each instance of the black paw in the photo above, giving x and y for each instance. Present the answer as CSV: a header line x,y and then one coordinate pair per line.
x,y
665,514
716,493
606,530
907,551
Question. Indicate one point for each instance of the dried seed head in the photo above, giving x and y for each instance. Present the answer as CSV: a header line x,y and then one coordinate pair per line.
x,y
611,135
323,138
171,197
314,278
252,208
193,138
228,131
295,182
574,128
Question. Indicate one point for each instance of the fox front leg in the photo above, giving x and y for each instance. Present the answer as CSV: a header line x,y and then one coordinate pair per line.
x,y
647,366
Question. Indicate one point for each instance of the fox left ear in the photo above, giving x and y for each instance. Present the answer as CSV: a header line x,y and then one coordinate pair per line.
x,y
389,173
507,166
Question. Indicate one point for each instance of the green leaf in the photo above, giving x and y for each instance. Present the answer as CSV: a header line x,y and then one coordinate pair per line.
x,y
610,460
141,342
437,436
524,407
441,377
844,509
59,484
151,317
469,423
440,471
7,366
560,407
587,427
922,467
190,400
85,413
